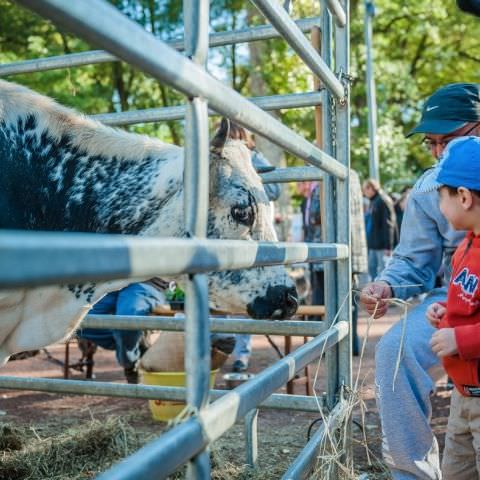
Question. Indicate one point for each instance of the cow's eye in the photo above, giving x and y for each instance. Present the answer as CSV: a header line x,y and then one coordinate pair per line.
x,y
243,214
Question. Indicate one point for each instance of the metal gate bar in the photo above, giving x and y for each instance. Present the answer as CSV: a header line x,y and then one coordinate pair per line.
x,y
228,325
277,401
344,274
274,102
282,21
252,34
292,174
336,8
38,258
195,198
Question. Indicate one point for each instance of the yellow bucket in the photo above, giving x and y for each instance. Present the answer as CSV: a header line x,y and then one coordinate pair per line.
x,y
163,410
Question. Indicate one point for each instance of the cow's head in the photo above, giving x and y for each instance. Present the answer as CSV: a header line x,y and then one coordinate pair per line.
x,y
240,210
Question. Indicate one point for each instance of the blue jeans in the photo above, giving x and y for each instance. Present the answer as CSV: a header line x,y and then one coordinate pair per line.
x,y
376,262
136,299
243,347
409,446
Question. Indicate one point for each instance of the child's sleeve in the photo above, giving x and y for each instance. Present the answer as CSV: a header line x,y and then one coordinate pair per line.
x,y
468,336
468,341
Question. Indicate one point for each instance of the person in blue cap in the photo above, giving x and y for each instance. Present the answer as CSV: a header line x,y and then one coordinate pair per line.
x,y
426,242
457,340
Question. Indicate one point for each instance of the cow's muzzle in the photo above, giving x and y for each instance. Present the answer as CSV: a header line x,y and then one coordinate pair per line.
x,y
279,302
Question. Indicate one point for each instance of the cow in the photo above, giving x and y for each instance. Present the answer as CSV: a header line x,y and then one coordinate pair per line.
x,y
62,171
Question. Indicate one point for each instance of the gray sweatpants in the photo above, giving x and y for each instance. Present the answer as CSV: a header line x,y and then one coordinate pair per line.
x,y
409,446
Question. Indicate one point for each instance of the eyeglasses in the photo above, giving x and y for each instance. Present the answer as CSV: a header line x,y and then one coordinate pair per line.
x,y
430,144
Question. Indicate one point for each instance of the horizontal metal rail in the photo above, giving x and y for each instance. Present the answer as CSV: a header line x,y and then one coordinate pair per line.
x,y
262,32
292,174
162,456
338,12
41,258
307,458
282,21
110,29
273,102
225,325
279,401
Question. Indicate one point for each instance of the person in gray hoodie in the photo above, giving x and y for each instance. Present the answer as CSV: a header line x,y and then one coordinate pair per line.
x,y
427,242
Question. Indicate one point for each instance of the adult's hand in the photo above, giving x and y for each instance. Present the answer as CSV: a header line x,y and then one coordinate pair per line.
x,y
374,293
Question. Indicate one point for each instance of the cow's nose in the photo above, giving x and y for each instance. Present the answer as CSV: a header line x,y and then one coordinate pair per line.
x,y
279,302
291,302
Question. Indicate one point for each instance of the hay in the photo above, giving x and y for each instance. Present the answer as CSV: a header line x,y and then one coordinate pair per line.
x,y
77,453
10,438
334,446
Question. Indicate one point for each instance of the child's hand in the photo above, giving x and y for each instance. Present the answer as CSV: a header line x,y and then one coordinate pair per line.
x,y
444,343
435,313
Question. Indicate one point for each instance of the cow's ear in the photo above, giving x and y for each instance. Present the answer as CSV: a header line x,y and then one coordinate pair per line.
x,y
219,139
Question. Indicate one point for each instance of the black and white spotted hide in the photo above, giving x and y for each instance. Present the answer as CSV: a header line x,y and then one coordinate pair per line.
x,y
61,171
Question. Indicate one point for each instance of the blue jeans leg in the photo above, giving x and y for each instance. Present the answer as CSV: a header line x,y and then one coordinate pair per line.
x,y
410,448
243,347
376,263
102,337
136,299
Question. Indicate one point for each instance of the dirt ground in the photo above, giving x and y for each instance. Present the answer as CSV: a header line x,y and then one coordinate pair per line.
x,y
281,435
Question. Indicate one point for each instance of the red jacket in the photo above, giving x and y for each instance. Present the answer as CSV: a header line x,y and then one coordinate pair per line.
x,y
463,314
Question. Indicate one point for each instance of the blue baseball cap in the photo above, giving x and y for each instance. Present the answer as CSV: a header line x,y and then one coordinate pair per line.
x,y
460,164
449,108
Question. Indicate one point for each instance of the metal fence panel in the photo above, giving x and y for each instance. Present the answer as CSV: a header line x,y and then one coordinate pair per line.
x,y
30,259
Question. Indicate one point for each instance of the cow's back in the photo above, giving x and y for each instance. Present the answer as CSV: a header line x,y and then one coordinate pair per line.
x,y
63,171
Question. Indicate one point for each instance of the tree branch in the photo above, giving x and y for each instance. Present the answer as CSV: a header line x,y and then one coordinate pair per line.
x,y
120,85
418,54
468,56
386,28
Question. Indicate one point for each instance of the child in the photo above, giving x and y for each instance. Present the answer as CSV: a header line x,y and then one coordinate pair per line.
x,y
457,340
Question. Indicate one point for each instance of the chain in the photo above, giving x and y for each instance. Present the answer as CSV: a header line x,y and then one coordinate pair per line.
x,y
333,118
346,81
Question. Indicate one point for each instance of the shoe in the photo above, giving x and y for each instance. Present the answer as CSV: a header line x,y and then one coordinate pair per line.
x,y
239,366
131,375
143,345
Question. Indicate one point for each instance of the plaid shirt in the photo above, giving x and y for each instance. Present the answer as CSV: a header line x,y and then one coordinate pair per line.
x,y
357,226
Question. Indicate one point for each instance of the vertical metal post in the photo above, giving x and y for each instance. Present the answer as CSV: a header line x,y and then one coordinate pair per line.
x,y
251,437
196,171
371,94
342,56
329,226
316,40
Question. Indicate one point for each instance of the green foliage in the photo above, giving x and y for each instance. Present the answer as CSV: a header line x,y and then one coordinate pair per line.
x,y
419,45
